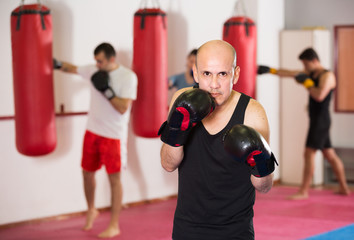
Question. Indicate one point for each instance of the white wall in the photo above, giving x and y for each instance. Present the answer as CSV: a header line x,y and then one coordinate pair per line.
x,y
51,185
294,104
35,187
326,13
269,25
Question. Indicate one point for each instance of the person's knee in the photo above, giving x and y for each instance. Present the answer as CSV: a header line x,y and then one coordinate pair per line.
x,y
330,159
88,175
309,154
329,155
114,178
306,156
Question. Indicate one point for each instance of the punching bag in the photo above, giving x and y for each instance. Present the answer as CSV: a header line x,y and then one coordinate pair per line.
x,y
241,33
32,65
150,65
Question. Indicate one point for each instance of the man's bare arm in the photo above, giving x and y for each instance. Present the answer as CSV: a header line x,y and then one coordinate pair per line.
x,y
256,118
171,157
68,67
327,82
121,104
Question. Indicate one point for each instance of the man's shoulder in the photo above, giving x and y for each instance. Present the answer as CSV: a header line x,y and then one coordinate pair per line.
x,y
327,73
256,118
182,90
124,72
327,77
179,92
179,76
254,105
255,109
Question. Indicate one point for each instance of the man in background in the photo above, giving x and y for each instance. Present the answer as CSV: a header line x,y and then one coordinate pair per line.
x,y
113,88
184,79
320,83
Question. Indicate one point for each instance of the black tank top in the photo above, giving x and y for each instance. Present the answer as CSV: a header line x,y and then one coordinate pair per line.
x,y
215,193
319,111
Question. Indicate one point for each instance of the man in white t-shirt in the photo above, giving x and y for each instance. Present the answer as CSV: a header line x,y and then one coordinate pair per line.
x,y
113,88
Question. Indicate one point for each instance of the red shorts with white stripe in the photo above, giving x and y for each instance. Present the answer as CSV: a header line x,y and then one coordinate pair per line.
x,y
98,151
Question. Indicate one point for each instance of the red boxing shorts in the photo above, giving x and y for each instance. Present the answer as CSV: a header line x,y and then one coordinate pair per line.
x,y
98,151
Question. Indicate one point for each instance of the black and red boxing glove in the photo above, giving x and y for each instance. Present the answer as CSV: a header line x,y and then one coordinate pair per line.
x,y
189,108
246,145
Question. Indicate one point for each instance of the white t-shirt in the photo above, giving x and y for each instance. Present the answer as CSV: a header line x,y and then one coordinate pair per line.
x,y
103,119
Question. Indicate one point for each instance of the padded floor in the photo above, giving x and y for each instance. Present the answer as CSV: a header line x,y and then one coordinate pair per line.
x,y
275,218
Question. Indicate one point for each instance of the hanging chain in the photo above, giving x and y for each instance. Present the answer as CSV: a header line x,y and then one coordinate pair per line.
x,y
154,3
239,8
38,3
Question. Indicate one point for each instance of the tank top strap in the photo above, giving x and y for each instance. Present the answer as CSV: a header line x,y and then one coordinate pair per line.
x,y
239,114
317,79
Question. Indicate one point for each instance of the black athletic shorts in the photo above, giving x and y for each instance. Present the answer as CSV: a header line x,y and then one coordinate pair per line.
x,y
318,138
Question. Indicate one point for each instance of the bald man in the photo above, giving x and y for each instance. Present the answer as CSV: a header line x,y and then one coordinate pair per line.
x,y
216,193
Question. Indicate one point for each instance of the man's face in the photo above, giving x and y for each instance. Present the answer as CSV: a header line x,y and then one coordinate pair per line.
x,y
309,65
102,63
216,73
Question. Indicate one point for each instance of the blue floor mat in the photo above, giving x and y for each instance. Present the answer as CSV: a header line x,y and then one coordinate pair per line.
x,y
346,233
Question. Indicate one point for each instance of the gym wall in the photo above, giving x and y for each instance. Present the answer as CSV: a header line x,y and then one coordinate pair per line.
x,y
50,185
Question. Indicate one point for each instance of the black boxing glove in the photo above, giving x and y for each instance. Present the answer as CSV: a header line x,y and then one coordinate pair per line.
x,y
189,108
265,69
248,146
57,64
100,81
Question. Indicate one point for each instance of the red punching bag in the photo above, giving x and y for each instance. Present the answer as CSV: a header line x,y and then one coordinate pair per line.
x,y
32,64
150,65
241,33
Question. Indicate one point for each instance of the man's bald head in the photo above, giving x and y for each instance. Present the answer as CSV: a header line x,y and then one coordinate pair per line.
x,y
217,48
215,69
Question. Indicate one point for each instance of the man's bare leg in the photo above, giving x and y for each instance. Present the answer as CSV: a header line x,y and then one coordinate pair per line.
x,y
117,193
308,171
338,169
89,187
